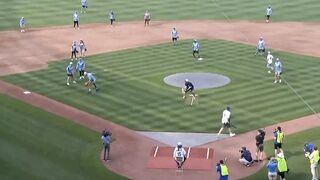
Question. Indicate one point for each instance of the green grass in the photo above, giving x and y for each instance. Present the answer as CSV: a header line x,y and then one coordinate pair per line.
x,y
293,147
134,95
50,12
39,145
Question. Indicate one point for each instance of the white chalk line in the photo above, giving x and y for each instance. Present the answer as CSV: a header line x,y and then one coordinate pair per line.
x,y
156,151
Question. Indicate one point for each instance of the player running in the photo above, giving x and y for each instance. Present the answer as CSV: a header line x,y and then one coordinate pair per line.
x,y
179,155
91,81
268,13
277,71
269,62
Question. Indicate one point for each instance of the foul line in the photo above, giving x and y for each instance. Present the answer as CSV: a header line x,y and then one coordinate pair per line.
x,y
301,98
189,150
156,151
208,151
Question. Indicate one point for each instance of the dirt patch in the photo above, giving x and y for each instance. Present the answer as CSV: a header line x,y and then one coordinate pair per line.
x,y
21,52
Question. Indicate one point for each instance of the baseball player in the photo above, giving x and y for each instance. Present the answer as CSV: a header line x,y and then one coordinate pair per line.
x,y
269,62
22,24
70,72
188,87
195,48
112,17
277,71
76,20
174,35
147,18
74,50
179,155
84,6
226,117
91,81
261,48
268,13
81,65
82,48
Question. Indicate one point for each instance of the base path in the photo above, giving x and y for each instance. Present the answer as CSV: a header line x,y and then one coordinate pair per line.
x,y
21,52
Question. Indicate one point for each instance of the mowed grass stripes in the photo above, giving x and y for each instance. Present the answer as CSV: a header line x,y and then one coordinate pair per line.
x,y
49,12
38,145
133,93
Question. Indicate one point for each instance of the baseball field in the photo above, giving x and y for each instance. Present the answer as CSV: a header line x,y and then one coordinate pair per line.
x,y
130,62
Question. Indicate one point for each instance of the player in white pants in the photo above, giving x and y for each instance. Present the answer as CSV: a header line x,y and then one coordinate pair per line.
x,y
179,155
269,62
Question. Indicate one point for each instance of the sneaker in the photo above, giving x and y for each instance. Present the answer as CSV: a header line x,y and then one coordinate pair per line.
x,y
68,84
232,134
280,81
269,72
74,82
275,82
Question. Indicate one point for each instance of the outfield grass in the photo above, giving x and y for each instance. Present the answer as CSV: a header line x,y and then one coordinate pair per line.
x,y
50,12
134,95
39,145
293,147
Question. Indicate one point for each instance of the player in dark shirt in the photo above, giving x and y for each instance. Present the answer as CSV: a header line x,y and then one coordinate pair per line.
x,y
259,144
188,88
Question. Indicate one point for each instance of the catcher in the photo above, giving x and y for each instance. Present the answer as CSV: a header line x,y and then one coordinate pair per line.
x,y
91,81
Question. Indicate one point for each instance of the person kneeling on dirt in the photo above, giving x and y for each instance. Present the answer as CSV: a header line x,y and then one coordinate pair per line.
x,y
179,155
245,158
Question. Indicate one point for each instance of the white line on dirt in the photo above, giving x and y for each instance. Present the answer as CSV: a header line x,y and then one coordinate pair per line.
x,y
208,151
156,151
189,150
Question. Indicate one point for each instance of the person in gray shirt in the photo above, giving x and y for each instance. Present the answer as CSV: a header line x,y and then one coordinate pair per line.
x,y
106,137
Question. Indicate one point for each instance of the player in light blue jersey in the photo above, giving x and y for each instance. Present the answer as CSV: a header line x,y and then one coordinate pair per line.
x,y
81,65
91,81
74,50
22,24
277,71
261,47
84,6
70,72
174,35
195,49
82,48
76,20
268,13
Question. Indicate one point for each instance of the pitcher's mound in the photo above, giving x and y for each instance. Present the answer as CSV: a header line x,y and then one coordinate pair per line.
x,y
199,80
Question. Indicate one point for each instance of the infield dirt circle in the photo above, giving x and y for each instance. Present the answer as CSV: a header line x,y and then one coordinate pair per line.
x,y
22,52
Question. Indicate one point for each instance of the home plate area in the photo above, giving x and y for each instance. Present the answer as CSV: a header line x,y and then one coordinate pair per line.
x,y
197,158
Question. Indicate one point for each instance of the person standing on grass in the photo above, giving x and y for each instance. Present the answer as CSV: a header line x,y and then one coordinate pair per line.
x,y
81,65
70,72
272,169
174,35
269,62
82,48
222,169
76,20
106,138
268,13
195,49
278,140
226,117
277,71
259,145
314,162
84,6
91,81
147,18
261,47
282,166
74,50
112,17
22,24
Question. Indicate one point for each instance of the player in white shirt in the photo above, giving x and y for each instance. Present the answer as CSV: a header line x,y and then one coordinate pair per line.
x,y
195,48
84,6
268,13
22,24
147,18
226,115
261,47
174,35
269,62
179,155
277,71
75,20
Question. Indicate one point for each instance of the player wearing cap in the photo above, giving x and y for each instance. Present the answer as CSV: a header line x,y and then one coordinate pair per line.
x,y
188,87
277,71
261,47
195,48
269,62
91,81
22,24
226,117
268,13
179,155
70,72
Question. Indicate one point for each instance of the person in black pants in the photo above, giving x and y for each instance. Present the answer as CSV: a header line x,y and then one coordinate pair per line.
x,y
106,137
259,144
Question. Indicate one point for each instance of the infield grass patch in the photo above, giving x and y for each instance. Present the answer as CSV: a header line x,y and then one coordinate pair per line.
x,y
133,94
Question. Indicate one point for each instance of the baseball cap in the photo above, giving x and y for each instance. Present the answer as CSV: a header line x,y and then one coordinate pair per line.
x,y
70,63
187,80
280,155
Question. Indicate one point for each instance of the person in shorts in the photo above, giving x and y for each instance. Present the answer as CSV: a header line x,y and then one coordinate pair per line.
x,y
174,35
272,169
268,13
278,140
84,6
22,24
195,49
70,73
147,18
76,20
226,117
259,145
82,48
